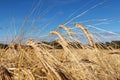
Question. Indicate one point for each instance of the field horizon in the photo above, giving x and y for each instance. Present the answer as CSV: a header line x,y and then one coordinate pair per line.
x,y
59,40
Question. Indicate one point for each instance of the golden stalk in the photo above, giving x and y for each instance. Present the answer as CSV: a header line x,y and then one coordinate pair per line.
x,y
66,29
61,37
87,34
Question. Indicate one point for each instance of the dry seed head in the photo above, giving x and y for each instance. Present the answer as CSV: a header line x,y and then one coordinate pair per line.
x,y
66,29
60,36
30,42
79,26
86,34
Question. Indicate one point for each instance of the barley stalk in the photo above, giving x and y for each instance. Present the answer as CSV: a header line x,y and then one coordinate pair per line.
x,y
60,36
87,34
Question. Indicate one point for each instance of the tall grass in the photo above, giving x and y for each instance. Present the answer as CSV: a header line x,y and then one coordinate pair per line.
x,y
35,61
74,61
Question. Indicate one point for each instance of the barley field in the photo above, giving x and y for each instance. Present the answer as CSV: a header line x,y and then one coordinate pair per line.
x,y
59,40
59,60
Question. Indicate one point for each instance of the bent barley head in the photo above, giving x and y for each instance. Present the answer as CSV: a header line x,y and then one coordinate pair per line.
x,y
30,42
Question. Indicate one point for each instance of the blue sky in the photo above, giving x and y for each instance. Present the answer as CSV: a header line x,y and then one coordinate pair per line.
x,y
48,14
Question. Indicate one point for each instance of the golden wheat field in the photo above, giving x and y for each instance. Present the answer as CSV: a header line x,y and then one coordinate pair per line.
x,y
59,40
35,61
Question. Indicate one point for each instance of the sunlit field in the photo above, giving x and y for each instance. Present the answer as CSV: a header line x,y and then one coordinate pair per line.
x,y
78,48
59,60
